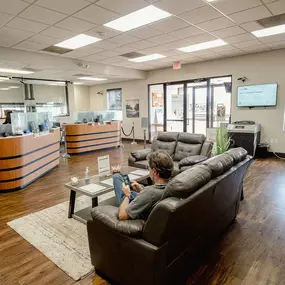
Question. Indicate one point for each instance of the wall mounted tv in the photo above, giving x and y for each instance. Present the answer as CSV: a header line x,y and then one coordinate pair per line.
x,y
263,95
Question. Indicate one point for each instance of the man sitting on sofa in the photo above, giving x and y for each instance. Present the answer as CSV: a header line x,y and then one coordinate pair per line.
x,y
139,203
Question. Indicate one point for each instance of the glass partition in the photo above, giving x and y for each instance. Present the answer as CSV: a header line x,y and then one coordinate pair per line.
x,y
99,116
30,122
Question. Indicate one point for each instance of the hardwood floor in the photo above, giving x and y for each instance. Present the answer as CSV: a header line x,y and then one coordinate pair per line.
x,y
251,253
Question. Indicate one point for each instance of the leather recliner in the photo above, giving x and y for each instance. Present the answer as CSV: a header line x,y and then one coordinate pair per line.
x,y
198,205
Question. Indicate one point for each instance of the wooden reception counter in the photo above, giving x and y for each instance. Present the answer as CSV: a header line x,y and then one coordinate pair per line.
x,y
91,137
23,159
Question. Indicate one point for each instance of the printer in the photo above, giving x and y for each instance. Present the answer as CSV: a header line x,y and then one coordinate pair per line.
x,y
245,134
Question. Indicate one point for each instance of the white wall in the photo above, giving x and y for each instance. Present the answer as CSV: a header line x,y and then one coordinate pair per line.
x,y
267,67
98,101
81,98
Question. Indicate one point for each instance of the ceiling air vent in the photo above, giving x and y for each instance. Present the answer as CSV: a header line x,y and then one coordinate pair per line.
x,y
82,75
272,21
132,55
57,50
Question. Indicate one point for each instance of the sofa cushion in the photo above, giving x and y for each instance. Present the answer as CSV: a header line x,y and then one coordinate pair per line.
x,y
141,154
188,145
188,182
238,154
192,160
219,164
165,141
141,164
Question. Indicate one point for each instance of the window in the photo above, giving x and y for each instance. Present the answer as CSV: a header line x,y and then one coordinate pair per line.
x,y
114,99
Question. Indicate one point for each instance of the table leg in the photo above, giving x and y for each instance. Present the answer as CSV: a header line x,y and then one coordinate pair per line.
x,y
71,203
94,202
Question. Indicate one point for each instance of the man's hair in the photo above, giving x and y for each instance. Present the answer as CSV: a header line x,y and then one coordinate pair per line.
x,y
161,162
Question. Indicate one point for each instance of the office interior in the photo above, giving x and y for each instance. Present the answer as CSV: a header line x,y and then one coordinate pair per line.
x,y
88,79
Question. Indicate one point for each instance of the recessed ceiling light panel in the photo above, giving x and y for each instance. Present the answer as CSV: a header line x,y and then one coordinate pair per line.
x,y
269,31
138,18
147,57
78,42
92,78
16,71
203,46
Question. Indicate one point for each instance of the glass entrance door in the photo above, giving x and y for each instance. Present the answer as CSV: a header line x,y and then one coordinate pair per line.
x,y
175,108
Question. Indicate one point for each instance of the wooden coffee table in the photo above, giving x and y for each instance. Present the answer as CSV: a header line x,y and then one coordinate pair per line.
x,y
85,214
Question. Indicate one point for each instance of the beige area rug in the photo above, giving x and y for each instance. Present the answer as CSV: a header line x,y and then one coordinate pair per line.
x,y
64,241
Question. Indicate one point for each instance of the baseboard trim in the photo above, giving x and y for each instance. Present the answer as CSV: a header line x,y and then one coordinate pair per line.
x,y
281,154
137,140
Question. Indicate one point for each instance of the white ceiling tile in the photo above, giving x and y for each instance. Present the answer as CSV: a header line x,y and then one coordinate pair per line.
x,y
112,60
201,39
31,46
268,1
233,6
187,32
272,39
170,24
96,14
239,38
235,52
155,49
63,6
211,56
216,24
91,49
250,15
122,7
4,18
172,52
75,54
103,32
177,44
145,32
224,49
26,25
30,1
232,31
58,33
251,26
162,39
142,44
179,6
105,44
259,48
10,37
277,45
94,57
41,39
42,15
75,25
108,53
124,39
200,15
12,7
277,8
247,44
125,49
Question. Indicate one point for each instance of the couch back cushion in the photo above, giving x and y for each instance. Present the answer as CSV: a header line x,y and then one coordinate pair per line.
x,y
219,164
165,141
238,154
187,182
188,145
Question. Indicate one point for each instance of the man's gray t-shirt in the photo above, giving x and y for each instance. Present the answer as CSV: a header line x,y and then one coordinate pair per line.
x,y
142,205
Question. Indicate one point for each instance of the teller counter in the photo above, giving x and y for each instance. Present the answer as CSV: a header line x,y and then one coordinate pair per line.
x,y
82,138
24,159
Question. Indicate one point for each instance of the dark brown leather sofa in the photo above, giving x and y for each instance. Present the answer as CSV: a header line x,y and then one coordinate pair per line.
x,y
199,204
185,149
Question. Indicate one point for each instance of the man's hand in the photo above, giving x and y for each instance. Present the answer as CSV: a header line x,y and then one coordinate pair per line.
x,y
126,190
136,186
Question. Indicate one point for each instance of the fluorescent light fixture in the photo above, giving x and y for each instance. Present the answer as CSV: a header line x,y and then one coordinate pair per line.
x,y
269,31
138,18
92,78
4,89
17,71
147,57
3,78
78,42
202,46
78,83
14,87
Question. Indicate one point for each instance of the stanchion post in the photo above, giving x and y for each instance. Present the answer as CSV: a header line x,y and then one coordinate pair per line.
x,y
144,138
65,155
134,141
121,139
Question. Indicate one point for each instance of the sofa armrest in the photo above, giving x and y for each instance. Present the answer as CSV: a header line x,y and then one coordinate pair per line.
x,y
141,154
191,160
207,148
108,216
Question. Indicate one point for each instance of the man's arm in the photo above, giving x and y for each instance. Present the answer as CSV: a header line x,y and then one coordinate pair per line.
x,y
123,215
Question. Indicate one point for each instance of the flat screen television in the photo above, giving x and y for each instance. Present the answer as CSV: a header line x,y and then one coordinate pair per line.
x,y
263,95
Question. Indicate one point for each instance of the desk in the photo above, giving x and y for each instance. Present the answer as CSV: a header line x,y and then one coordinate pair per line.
x,y
82,138
24,159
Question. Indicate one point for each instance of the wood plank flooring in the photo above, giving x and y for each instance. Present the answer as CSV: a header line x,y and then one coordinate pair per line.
x,y
251,253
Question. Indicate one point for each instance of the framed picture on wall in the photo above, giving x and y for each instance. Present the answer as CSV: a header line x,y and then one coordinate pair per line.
x,y
114,99
133,108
